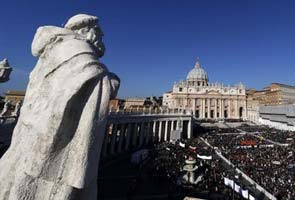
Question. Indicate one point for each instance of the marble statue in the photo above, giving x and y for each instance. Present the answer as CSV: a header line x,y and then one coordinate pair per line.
x,y
5,71
55,148
17,107
6,107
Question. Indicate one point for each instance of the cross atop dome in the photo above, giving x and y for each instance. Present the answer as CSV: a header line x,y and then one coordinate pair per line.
x,y
198,65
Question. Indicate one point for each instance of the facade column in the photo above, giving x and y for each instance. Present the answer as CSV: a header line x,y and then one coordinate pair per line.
x,y
114,138
203,108
160,131
121,138
194,106
208,108
236,109
229,108
128,137
220,108
185,103
215,109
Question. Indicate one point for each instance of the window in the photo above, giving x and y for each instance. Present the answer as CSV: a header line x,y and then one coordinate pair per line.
x,y
180,89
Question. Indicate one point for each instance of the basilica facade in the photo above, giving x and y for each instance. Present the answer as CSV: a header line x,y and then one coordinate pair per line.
x,y
207,100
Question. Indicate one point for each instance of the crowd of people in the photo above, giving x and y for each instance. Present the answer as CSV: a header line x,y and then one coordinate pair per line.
x,y
169,159
234,141
270,165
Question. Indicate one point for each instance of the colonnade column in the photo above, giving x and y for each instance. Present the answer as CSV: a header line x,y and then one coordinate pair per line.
x,y
135,133
148,134
128,137
177,124
121,138
114,138
141,134
166,130
172,125
106,141
189,129
194,106
160,131
154,131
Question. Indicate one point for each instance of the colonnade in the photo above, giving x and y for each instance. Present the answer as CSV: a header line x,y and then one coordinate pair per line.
x,y
133,132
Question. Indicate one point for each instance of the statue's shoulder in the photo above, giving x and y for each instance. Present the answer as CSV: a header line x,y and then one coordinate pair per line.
x,y
46,35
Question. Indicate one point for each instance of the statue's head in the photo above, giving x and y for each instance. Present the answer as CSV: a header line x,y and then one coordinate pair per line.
x,y
87,27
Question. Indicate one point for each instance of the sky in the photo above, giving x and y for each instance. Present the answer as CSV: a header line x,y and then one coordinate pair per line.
x,y
150,44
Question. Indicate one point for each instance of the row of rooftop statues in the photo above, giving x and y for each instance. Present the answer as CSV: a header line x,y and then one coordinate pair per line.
x,y
55,148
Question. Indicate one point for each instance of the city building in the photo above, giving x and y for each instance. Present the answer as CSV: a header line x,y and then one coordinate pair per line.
x,y
14,96
279,94
135,102
140,103
116,104
278,116
275,94
207,100
253,99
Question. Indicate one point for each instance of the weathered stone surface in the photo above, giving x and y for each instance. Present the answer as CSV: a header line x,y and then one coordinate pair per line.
x,y
55,149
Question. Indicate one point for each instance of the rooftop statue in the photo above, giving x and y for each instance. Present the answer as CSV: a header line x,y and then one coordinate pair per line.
x,y
5,71
17,108
5,109
56,144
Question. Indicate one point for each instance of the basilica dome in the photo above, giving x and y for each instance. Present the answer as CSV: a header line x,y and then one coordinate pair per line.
x,y
197,73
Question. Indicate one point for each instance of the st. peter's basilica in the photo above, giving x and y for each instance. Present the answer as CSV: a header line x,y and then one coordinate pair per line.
x,y
207,100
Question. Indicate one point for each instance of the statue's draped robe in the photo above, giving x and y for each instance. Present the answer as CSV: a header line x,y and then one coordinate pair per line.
x,y
59,134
